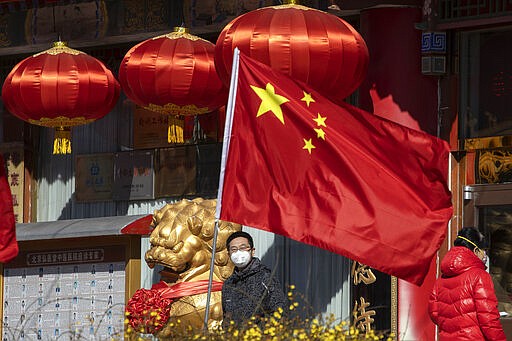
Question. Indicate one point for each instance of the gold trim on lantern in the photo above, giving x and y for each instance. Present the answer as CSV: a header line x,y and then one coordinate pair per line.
x,y
177,35
296,6
170,108
59,47
60,121
181,29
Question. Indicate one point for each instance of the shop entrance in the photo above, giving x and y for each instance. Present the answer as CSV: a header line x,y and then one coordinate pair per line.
x,y
489,208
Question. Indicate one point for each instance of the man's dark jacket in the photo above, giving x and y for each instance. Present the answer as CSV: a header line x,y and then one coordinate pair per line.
x,y
252,291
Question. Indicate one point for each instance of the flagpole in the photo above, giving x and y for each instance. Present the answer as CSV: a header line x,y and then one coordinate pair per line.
x,y
225,149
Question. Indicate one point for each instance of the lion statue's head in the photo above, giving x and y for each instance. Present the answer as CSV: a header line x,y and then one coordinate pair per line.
x,y
182,240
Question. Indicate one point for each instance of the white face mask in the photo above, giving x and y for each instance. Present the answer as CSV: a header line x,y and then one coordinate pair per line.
x,y
241,258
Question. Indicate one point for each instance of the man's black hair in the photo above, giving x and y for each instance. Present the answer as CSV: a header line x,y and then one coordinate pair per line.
x,y
472,234
240,234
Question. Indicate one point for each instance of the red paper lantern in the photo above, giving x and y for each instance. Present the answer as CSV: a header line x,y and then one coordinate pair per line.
x,y
309,45
60,88
173,74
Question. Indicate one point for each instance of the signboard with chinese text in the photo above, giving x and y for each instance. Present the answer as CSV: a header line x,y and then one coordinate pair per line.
x,y
133,175
49,294
15,166
94,177
149,129
176,172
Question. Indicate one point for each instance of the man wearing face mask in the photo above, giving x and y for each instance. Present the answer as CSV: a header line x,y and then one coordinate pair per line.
x,y
463,303
252,289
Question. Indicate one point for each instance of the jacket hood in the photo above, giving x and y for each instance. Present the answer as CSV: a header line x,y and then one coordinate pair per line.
x,y
458,260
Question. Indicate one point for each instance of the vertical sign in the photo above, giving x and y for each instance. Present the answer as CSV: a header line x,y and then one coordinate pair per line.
x,y
15,167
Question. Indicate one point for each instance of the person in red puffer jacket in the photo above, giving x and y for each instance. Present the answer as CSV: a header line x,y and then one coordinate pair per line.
x,y
463,303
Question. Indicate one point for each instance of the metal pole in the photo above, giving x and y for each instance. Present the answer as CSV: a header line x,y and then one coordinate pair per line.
x,y
225,148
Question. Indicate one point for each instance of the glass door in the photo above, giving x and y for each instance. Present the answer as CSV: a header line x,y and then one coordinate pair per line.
x,y
489,208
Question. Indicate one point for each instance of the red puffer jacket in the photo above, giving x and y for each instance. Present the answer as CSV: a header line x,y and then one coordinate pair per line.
x,y
463,303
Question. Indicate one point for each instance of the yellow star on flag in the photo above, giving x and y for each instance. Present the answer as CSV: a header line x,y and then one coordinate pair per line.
x,y
308,145
320,133
307,98
320,121
270,101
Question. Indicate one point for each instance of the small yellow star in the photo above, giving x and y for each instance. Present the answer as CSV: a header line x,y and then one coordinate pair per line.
x,y
320,133
270,101
307,98
308,145
320,121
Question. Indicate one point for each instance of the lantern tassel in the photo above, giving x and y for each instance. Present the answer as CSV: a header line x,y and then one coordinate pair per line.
x,y
62,141
175,131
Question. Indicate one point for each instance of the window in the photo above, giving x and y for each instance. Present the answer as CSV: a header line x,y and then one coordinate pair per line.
x,y
486,84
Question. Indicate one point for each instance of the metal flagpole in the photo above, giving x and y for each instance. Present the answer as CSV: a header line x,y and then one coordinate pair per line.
x,y
225,149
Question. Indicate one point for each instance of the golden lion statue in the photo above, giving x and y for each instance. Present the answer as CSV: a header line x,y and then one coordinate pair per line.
x,y
182,242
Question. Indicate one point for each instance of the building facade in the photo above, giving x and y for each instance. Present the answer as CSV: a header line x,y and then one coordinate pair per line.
x,y
439,66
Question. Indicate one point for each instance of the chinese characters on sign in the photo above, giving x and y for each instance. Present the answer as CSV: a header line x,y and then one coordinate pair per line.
x,y
363,320
149,129
362,273
133,176
62,257
49,294
94,177
15,167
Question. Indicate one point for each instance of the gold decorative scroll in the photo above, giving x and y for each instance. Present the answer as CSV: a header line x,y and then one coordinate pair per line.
x,y
363,318
362,273
493,164
487,142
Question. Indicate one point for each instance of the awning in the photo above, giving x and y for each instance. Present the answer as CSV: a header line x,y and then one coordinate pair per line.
x,y
89,227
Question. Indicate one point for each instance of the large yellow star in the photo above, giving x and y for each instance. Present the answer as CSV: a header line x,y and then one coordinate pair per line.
x,y
270,101
307,98
308,145
320,121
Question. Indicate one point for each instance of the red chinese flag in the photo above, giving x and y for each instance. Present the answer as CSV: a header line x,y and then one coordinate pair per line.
x,y
8,243
334,176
